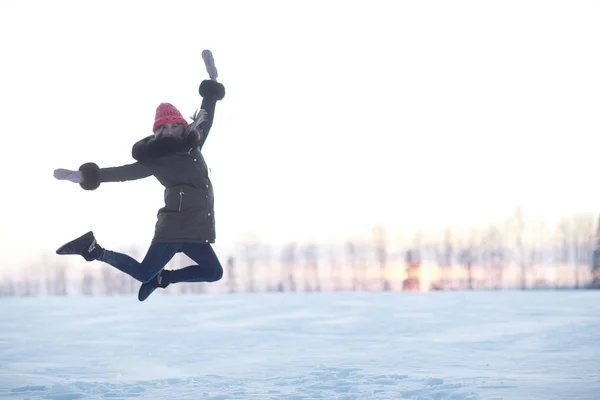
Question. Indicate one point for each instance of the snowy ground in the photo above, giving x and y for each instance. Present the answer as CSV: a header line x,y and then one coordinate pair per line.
x,y
486,345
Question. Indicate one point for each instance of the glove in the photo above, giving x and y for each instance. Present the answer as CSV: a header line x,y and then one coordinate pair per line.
x,y
68,175
212,90
209,62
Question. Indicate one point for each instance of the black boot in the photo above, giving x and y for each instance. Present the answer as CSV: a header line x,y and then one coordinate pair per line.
x,y
85,245
161,280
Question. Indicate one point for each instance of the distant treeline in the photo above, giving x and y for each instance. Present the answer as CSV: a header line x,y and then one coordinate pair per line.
x,y
510,255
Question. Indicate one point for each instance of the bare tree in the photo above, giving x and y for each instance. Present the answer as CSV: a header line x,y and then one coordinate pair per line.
x,y
8,289
250,254
108,280
576,234
595,265
495,256
536,259
87,283
32,282
362,265
413,265
445,257
288,261
27,289
60,280
467,259
381,254
312,267
335,277
565,236
266,258
55,279
231,275
519,237
583,231
352,259
49,265
122,283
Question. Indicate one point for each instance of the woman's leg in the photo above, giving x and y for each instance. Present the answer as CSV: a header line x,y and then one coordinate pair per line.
x,y
208,268
157,256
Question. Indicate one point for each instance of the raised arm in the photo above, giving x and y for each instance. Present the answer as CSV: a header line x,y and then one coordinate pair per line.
x,y
92,175
211,92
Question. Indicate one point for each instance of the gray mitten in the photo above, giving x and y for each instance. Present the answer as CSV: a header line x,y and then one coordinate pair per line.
x,y
67,175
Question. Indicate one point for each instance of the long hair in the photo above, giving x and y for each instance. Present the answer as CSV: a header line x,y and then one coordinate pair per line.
x,y
196,125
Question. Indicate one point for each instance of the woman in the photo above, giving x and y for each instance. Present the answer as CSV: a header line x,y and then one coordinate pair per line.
x,y
186,223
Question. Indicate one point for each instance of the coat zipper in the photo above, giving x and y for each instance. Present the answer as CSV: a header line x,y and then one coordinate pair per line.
x,y
181,193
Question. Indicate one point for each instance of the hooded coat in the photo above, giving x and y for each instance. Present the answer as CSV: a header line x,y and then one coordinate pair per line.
x,y
177,163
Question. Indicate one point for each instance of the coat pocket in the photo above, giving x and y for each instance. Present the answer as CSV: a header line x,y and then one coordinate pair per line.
x,y
175,199
181,193
184,198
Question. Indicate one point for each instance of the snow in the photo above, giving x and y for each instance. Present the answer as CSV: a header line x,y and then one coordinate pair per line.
x,y
430,345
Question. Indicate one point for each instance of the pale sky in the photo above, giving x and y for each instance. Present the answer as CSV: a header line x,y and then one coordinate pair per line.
x,y
339,114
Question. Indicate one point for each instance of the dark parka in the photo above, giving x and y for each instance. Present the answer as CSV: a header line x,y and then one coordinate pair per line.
x,y
188,214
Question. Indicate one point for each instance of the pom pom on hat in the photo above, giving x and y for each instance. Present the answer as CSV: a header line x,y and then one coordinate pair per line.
x,y
166,113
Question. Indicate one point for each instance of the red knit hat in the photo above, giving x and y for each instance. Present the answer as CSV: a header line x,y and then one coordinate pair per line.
x,y
166,113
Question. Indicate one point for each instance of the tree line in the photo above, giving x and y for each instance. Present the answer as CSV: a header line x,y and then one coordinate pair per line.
x,y
511,254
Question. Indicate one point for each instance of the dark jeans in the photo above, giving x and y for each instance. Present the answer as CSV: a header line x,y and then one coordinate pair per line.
x,y
208,268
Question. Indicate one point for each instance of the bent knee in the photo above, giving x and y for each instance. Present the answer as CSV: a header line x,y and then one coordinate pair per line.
x,y
218,274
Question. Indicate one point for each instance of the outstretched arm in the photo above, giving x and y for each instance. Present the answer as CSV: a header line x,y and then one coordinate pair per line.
x,y
89,176
129,172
